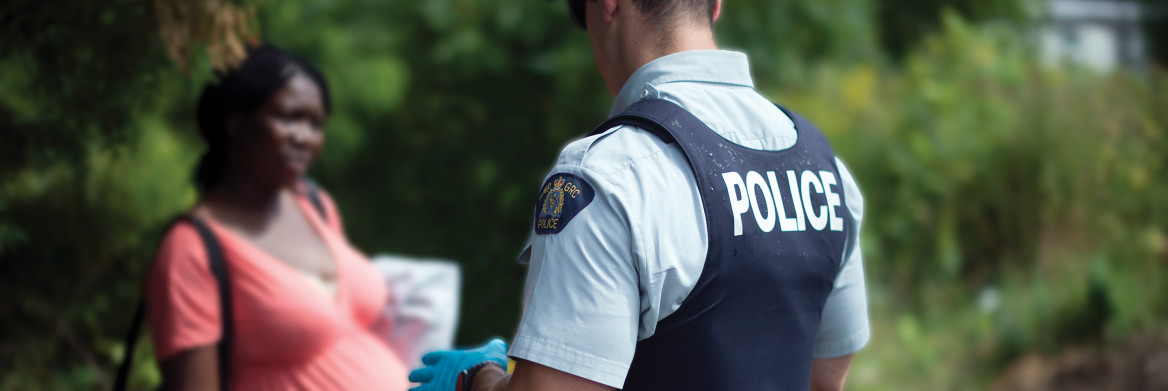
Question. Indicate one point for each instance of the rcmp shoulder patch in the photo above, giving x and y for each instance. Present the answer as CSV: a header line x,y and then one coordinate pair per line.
x,y
560,199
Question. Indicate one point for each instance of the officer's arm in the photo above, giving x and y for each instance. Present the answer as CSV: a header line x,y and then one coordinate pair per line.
x,y
829,373
531,376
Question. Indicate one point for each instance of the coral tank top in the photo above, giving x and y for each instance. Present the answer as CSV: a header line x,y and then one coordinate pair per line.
x,y
289,333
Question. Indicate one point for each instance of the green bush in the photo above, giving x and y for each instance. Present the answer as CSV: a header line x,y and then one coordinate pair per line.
x,y
985,173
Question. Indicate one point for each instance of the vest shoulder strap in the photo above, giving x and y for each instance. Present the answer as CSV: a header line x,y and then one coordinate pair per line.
x,y
654,114
650,115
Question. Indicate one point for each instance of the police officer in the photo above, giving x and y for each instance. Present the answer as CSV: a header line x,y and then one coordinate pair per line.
x,y
704,238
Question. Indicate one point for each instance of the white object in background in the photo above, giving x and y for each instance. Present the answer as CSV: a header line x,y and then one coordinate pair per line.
x,y
422,313
1101,35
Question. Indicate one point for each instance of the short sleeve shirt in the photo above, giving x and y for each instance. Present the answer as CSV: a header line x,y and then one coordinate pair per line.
x,y
630,257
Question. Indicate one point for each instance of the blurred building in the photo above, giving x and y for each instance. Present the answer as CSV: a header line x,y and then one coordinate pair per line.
x,y
1099,34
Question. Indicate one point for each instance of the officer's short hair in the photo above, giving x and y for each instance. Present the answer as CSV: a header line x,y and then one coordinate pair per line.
x,y
660,11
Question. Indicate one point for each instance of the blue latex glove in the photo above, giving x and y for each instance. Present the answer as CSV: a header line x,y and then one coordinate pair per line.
x,y
442,367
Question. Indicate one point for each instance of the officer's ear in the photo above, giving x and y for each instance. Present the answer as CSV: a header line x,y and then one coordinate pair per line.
x,y
717,10
611,8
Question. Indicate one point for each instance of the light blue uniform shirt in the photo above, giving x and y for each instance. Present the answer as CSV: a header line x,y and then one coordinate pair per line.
x,y
631,256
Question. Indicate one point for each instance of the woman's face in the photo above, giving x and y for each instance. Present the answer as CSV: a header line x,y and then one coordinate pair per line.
x,y
278,142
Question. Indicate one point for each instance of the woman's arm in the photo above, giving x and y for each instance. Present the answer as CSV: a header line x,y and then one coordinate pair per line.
x,y
191,369
183,306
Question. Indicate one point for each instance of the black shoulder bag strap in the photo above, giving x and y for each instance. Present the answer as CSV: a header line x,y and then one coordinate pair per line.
x,y
218,265
312,191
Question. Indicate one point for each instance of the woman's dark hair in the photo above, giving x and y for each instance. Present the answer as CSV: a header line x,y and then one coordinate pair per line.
x,y
243,90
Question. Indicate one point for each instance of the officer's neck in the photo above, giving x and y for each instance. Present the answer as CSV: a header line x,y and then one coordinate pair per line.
x,y
642,43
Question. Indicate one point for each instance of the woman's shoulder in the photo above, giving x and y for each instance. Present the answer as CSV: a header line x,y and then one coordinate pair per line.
x,y
322,203
181,295
182,245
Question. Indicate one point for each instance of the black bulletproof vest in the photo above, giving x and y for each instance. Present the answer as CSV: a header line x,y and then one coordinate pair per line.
x,y
774,251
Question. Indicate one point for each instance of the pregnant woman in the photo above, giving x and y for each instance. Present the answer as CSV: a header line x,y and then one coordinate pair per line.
x,y
302,299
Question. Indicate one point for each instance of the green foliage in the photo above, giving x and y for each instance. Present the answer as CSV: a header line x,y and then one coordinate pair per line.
x,y
987,175
984,174
61,96
779,35
904,23
72,292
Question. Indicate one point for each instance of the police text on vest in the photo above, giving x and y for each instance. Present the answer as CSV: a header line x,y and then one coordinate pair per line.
x,y
744,197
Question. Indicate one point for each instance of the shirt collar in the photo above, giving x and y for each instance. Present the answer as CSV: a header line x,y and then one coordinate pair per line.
x,y
700,66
